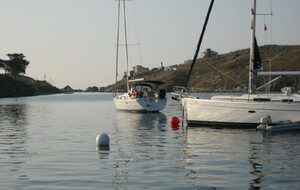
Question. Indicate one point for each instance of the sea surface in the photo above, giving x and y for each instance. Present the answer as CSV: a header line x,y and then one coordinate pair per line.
x,y
48,142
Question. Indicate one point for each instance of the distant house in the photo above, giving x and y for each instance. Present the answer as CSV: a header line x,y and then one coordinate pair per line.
x,y
171,68
188,61
161,66
138,70
208,53
155,69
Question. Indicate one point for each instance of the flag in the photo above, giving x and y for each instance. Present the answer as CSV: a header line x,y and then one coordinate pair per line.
x,y
265,27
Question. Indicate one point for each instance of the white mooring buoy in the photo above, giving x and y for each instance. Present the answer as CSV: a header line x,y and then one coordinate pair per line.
x,y
102,141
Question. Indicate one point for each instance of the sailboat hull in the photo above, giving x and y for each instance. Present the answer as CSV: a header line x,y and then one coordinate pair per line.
x,y
147,104
237,113
245,110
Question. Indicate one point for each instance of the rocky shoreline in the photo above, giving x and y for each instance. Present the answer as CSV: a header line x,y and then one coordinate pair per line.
x,y
24,86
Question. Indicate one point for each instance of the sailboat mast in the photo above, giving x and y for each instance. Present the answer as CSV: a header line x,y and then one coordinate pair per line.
x,y
199,42
126,46
117,56
252,46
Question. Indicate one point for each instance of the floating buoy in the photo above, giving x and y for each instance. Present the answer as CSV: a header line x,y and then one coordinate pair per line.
x,y
102,141
174,121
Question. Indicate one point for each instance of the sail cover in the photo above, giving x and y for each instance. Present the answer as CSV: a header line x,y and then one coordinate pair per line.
x,y
257,60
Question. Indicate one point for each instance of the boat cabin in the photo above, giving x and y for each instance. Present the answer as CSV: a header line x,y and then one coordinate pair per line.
x,y
146,88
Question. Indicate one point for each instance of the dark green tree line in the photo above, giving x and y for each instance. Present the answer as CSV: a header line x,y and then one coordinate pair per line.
x,y
16,64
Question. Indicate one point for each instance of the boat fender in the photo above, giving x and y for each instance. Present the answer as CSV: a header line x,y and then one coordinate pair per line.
x,y
265,121
134,93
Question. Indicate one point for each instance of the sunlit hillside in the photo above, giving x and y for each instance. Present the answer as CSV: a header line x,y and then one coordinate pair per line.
x,y
229,72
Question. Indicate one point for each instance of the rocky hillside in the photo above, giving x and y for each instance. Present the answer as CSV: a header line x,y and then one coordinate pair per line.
x,y
24,86
229,72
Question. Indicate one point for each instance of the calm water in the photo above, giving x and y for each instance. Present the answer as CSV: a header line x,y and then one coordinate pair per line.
x,y
48,142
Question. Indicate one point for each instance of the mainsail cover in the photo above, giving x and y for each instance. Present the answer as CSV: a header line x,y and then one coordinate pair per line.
x,y
257,59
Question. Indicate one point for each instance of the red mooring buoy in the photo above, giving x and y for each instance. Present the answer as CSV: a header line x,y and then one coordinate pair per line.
x,y
174,121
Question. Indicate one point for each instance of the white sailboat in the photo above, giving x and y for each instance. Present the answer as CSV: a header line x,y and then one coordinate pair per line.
x,y
142,95
248,109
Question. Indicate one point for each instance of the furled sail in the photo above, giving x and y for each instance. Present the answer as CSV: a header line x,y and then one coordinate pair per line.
x,y
257,59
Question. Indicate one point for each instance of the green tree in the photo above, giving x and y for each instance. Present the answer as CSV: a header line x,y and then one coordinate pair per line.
x,y
16,64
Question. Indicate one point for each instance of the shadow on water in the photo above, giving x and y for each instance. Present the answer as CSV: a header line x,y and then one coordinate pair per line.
x,y
13,132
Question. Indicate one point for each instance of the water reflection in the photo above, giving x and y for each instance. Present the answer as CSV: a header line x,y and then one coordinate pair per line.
x,y
145,153
243,157
13,136
140,120
146,147
275,160
256,167
15,114
141,130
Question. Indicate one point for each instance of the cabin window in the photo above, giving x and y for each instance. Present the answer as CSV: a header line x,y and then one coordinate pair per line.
x,y
262,99
287,100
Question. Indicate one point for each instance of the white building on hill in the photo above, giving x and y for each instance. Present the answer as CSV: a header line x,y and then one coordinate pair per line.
x,y
138,70
208,53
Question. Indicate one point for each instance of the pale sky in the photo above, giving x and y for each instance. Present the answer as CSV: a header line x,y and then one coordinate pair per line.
x,y
73,42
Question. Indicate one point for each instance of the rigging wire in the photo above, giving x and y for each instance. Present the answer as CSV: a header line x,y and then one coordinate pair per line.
x,y
137,32
268,89
131,19
132,33
117,54
269,59
224,73
126,47
145,32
